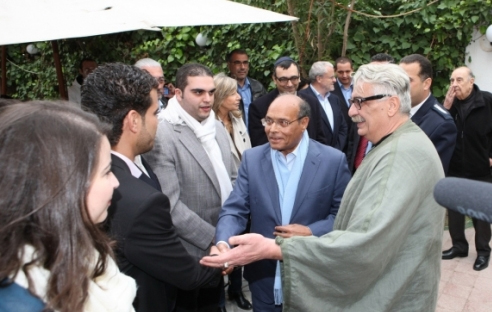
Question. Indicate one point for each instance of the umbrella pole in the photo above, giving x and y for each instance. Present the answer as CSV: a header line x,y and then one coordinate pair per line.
x,y
59,72
4,71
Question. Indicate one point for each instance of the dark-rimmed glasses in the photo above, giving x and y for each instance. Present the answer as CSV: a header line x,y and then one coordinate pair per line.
x,y
280,122
284,80
357,101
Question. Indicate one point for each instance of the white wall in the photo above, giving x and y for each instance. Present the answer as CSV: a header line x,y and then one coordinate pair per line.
x,y
481,61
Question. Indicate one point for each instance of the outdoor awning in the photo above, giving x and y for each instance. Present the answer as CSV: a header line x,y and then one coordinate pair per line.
x,y
24,21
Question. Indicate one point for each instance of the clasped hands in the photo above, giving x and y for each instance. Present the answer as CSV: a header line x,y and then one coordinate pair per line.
x,y
250,248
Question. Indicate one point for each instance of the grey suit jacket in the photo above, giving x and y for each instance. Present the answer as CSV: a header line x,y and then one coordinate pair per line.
x,y
188,178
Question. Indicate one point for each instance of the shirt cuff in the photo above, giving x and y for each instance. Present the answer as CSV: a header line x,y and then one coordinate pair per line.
x,y
223,242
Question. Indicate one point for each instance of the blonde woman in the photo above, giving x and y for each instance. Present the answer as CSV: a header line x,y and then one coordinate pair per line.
x,y
226,108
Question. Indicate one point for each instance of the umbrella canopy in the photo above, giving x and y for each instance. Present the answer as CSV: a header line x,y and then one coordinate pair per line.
x,y
23,21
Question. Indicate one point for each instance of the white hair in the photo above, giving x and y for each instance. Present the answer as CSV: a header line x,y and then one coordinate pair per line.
x,y
318,69
147,62
386,79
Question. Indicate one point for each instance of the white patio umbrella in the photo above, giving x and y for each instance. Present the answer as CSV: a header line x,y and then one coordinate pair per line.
x,y
24,21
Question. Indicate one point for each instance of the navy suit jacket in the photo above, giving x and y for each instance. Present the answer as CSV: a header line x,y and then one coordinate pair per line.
x,y
323,180
439,126
338,136
259,108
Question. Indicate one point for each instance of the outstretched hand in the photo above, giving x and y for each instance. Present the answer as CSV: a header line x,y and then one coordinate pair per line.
x,y
249,248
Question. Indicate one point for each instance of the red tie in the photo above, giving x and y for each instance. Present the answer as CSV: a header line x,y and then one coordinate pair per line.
x,y
361,151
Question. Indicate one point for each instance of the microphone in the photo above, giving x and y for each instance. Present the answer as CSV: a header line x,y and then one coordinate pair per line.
x,y
468,197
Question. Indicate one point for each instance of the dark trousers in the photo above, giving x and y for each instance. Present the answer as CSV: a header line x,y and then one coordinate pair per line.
x,y
260,306
198,300
235,285
456,223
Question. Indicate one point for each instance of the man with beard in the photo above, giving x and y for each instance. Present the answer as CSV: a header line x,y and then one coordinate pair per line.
x,y
139,217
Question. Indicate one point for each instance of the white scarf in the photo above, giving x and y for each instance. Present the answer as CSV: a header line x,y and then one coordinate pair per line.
x,y
205,132
111,292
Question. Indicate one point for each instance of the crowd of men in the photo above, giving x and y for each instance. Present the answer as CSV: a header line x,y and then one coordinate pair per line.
x,y
336,191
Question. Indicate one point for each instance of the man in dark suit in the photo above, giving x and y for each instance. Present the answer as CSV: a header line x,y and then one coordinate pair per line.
x,y
139,218
291,186
426,111
286,76
343,86
322,78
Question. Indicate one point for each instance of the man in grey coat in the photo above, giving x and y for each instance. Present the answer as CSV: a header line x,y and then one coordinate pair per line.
x,y
192,159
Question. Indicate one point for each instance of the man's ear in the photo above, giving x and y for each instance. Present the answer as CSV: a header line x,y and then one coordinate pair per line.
x,y
132,121
178,93
427,83
394,106
304,122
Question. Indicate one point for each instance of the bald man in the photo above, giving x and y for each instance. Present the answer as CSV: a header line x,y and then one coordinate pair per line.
x,y
290,186
471,110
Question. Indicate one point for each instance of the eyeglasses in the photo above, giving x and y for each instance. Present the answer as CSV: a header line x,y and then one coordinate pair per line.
x,y
284,80
279,122
160,79
357,101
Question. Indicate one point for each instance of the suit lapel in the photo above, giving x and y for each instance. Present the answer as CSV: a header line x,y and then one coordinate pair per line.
x,y
118,162
187,137
335,106
311,165
271,183
424,109
152,180
324,118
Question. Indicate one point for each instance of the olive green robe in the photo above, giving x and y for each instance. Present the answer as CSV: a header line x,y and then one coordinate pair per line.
x,y
384,252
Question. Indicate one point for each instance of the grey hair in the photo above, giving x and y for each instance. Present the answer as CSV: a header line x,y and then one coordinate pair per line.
x,y
318,69
304,109
147,62
386,79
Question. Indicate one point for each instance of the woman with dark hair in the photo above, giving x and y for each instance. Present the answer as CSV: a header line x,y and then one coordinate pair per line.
x,y
56,187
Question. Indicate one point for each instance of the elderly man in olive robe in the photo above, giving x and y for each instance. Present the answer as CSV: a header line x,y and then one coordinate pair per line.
x,y
384,251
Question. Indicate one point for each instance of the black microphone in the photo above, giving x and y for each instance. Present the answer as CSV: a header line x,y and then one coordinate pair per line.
x,y
468,197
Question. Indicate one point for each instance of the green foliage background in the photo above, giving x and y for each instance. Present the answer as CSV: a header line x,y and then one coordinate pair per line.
x,y
440,30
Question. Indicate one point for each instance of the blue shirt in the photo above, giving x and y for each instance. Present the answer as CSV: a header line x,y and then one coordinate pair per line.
x,y
323,100
245,93
347,92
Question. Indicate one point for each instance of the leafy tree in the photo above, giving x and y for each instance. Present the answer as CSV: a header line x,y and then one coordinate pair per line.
x,y
327,29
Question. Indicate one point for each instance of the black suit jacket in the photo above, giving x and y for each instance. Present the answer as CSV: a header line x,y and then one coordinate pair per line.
x,y
258,110
439,126
338,136
351,148
148,248
343,104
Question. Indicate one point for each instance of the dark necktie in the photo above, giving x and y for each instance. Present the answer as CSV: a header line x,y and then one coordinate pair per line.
x,y
361,151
